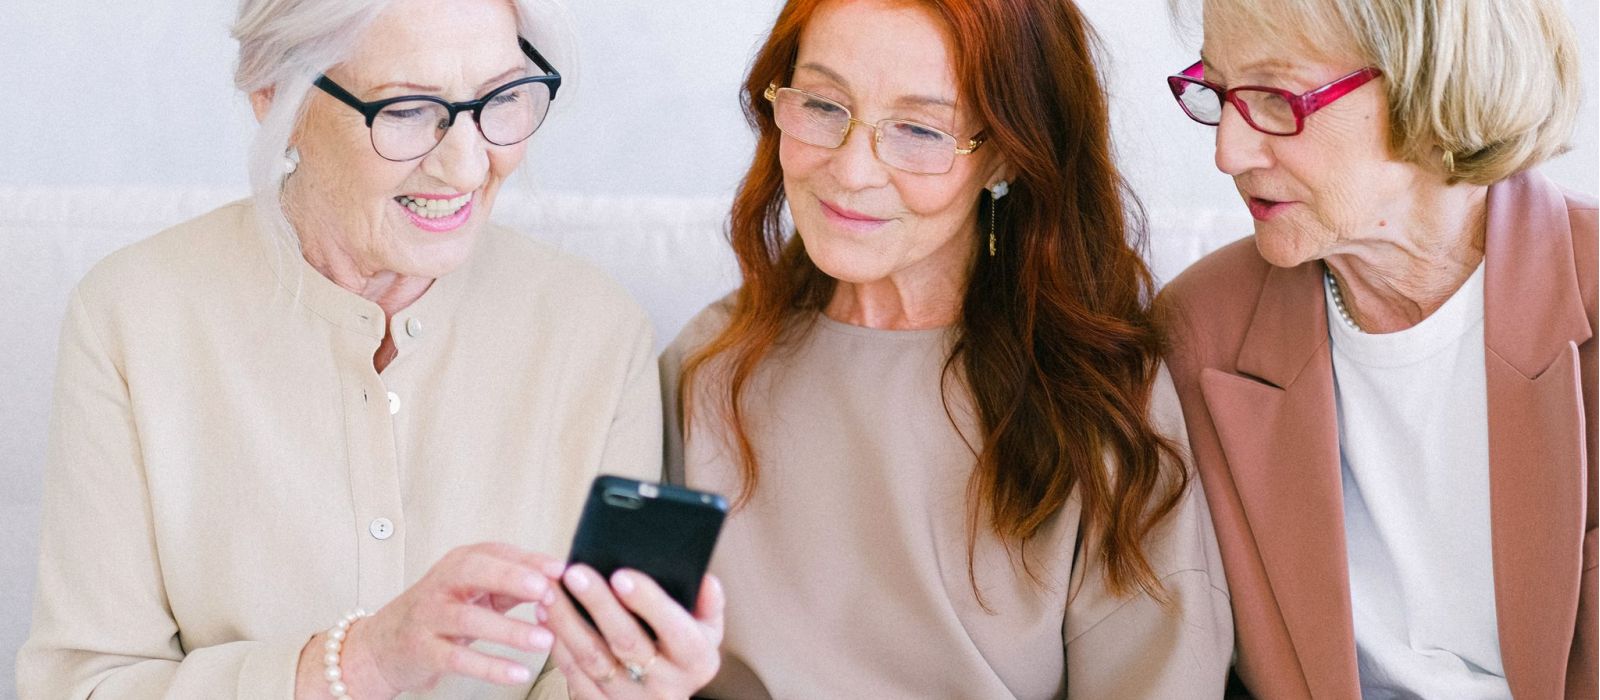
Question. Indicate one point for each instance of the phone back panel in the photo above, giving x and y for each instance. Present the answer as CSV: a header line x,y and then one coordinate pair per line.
x,y
665,532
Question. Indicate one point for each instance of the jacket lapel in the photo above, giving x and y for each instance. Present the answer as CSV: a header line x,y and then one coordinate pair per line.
x,y
1277,424
1533,322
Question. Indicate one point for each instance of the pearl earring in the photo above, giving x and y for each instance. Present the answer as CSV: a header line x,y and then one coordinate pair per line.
x,y
996,191
291,160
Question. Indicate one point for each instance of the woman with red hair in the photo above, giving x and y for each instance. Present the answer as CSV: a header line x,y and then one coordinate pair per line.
x,y
957,463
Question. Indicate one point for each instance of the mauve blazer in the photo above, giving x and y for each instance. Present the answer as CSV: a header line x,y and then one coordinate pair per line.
x,y
1252,364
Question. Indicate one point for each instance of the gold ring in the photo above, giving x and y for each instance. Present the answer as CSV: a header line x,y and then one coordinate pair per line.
x,y
611,673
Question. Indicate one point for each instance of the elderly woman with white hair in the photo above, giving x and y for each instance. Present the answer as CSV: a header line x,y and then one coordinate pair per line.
x,y
1390,387
352,393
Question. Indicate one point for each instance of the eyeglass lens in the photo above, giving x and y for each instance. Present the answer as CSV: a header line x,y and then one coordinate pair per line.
x,y
1265,111
902,144
406,130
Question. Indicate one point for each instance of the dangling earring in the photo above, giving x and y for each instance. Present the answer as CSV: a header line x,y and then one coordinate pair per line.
x,y
1449,162
291,160
996,191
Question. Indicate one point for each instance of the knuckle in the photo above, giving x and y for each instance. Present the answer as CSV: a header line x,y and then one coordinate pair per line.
x,y
624,644
459,618
587,657
458,659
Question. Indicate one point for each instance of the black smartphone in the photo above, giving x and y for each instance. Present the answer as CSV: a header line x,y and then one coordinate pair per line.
x,y
662,531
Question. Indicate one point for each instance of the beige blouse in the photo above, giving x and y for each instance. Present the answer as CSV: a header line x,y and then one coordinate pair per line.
x,y
228,474
847,574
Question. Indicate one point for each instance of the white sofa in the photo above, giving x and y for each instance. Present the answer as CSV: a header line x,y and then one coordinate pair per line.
x,y
670,253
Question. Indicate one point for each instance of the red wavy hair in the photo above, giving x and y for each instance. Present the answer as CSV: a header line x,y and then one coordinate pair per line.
x,y
1055,338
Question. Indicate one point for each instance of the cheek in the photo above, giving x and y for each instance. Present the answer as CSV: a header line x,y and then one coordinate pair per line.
x,y
941,206
504,161
799,162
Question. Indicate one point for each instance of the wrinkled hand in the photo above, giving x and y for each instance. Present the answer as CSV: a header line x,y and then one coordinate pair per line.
x,y
624,662
422,635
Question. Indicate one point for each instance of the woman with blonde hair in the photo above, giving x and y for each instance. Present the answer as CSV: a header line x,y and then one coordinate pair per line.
x,y
1390,387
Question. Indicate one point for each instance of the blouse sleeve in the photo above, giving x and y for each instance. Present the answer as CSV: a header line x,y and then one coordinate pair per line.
x,y
1137,646
633,447
101,621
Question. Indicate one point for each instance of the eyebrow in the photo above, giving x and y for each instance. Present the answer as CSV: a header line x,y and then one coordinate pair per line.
x,y
496,80
1265,65
904,99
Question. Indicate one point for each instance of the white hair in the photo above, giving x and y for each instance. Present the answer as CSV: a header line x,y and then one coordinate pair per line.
x,y
285,44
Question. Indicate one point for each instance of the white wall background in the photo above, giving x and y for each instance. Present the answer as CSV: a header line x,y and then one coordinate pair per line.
x,y
133,102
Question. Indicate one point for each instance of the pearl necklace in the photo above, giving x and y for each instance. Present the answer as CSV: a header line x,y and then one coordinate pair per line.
x,y
1338,300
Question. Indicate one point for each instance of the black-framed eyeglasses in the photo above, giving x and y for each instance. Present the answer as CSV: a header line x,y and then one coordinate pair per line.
x,y
409,127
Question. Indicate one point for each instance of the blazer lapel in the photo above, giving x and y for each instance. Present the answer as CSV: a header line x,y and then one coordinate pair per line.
x,y
1276,420
1534,321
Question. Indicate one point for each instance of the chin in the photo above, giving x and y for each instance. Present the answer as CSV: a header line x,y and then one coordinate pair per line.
x,y
853,267
1285,247
436,257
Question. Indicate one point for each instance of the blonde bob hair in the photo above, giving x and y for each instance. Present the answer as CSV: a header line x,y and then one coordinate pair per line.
x,y
1478,89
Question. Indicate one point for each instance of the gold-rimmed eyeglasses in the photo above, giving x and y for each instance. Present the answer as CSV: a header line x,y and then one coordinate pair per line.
x,y
907,145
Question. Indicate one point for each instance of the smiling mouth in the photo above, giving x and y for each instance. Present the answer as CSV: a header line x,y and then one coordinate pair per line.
x,y
848,215
431,208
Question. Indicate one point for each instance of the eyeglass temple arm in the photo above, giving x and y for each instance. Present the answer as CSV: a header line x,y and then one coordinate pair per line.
x,y
1321,97
539,60
343,95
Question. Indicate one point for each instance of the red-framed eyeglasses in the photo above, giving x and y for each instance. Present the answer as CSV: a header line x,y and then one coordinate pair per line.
x,y
1266,109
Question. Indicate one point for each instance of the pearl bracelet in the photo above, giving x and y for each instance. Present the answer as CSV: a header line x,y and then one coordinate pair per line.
x,y
331,649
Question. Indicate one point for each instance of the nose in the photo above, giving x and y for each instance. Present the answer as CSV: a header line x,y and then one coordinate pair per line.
x,y
1240,148
461,158
854,163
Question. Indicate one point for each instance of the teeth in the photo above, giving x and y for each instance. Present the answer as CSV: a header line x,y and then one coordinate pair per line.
x,y
434,208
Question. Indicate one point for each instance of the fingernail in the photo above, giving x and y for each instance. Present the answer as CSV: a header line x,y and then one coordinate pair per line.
x,y
541,638
518,674
577,580
540,614
534,583
553,569
622,582
549,597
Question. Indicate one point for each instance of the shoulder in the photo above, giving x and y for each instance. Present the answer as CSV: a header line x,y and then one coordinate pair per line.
x,y
698,332
1206,310
197,259
542,284
1165,411
1583,216
1231,275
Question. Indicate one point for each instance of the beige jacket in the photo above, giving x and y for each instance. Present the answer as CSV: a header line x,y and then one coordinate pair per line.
x,y
227,473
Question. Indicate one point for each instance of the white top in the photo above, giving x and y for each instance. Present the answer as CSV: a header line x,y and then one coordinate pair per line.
x,y
228,473
1414,451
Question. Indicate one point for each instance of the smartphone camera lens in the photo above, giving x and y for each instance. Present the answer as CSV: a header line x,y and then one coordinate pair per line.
x,y
622,499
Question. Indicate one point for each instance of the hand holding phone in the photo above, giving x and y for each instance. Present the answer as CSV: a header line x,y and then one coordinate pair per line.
x,y
637,564
662,531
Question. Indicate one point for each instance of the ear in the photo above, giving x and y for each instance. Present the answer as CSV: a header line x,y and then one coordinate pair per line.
x,y
261,102
1002,170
